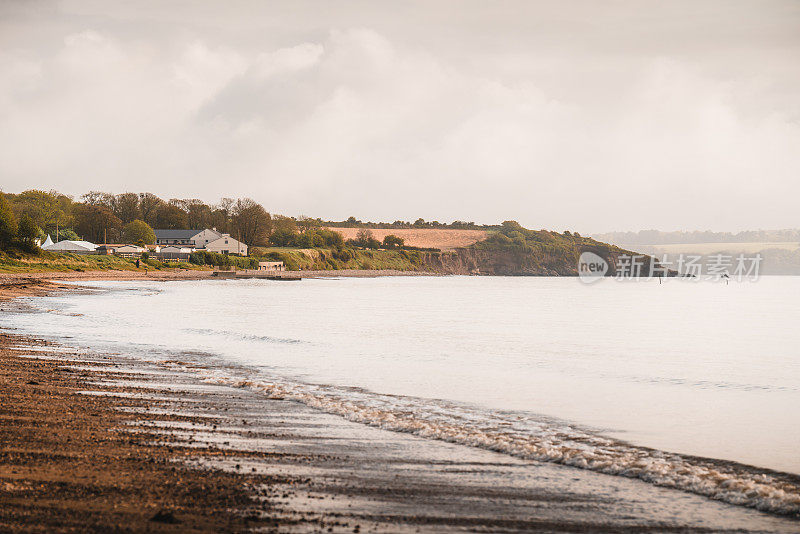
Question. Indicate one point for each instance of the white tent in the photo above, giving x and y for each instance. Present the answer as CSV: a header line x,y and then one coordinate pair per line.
x,y
47,242
76,247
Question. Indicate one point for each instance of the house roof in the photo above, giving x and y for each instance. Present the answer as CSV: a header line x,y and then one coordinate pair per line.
x,y
176,234
71,245
224,236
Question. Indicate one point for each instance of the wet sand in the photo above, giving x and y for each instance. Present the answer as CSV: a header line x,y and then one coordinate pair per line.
x,y
10,282
107,442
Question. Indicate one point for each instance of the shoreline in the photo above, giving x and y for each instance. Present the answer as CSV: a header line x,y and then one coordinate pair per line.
x,y
191,274
305,469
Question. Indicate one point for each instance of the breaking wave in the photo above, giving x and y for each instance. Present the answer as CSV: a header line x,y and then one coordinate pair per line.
x,y
542,439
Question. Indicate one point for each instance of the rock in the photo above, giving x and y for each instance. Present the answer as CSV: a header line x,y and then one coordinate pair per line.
x,y
165,516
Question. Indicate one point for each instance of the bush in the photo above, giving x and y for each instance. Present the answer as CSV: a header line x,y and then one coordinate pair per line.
x,y
392,241
205,257
139,232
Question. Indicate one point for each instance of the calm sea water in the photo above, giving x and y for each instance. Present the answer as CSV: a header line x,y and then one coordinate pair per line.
x,y
615,377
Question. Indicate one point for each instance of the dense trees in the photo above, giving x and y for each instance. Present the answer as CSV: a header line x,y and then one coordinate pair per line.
x,y
27,231
8,223
103,217
251,222
96,223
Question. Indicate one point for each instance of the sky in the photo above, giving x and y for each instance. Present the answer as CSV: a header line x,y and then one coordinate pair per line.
x,y
589,116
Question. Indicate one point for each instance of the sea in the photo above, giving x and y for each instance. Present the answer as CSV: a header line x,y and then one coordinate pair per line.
x,y
693,385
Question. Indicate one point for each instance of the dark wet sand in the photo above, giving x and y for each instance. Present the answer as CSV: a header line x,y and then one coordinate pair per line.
x,y
107,442
104,443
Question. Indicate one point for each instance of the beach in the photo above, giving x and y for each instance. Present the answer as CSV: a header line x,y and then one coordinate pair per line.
x,y
99,440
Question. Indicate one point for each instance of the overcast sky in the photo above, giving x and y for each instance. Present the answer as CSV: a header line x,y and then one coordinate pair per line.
x,y
589,116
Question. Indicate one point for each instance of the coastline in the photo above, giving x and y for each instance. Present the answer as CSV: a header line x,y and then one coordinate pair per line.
x,y
225,446
187,274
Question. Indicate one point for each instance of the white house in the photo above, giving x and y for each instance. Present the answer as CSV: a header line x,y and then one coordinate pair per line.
x,y
202,239
75,247
227,245
184,238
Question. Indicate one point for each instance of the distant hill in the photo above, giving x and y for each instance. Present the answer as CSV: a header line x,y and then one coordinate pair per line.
x,y
779,249
657,237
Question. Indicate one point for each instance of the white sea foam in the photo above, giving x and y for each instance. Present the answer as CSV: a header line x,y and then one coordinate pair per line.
x,y
541,439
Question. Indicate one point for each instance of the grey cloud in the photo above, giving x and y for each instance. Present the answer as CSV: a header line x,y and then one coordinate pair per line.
x,y
580,115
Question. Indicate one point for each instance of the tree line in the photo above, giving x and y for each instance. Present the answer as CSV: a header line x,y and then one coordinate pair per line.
x,y
102,217
106,218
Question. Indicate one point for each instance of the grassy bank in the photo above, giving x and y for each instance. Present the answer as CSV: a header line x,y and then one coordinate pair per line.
x,y
323,259
295,259
15,262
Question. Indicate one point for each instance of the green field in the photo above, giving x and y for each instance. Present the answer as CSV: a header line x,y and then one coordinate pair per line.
x,y
53,262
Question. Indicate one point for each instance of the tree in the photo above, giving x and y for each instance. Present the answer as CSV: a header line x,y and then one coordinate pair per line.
x,y
221,215
8,222
392,241
198,214
96,223
98,198
511,226
27,231
49,210
365,238
126,207
171,217
251,222
139,232
284,231
68,234
148,207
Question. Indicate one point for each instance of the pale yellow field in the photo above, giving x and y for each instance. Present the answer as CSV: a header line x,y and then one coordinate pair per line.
x,y
423,237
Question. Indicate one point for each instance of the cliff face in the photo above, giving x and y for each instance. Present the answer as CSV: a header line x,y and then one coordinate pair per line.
x,y
495,262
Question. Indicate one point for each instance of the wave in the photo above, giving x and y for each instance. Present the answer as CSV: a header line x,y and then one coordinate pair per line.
x,y
239,335
542,439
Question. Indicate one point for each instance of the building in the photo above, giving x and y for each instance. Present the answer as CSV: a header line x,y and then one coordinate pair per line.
x,y
187,238
226,245
174,253
125,251
208,239
73,247
271,266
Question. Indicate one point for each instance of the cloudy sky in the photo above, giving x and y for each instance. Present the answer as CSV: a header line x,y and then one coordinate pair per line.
x,y
590,116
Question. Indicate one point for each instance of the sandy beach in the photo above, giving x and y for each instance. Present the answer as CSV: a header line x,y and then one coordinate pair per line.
x,y
102,442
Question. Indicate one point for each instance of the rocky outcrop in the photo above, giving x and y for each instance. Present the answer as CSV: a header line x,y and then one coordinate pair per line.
x,y
497,262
